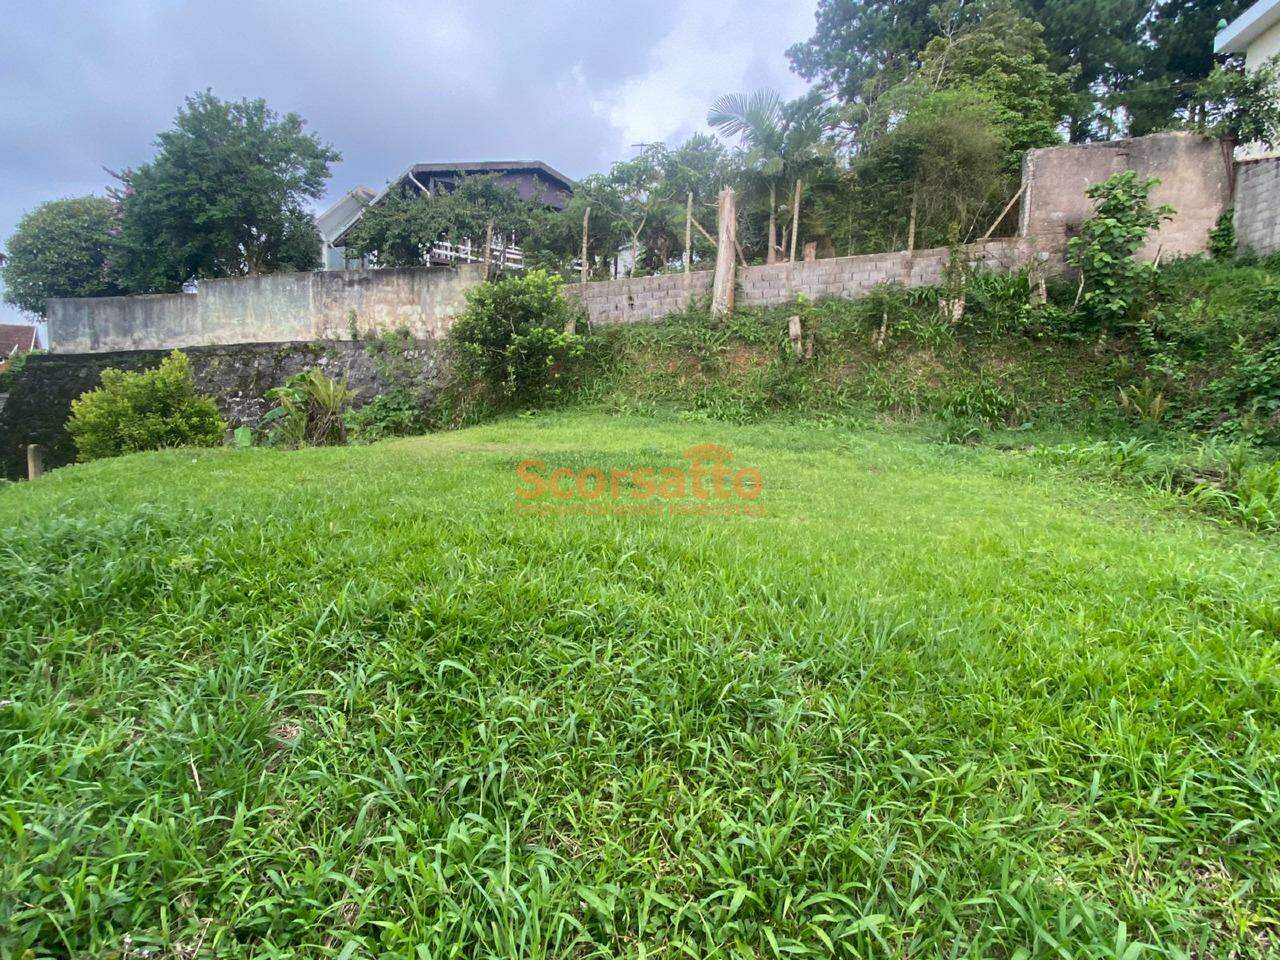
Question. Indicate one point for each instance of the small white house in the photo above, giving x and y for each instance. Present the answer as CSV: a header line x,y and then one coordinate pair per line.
x,y
1255,33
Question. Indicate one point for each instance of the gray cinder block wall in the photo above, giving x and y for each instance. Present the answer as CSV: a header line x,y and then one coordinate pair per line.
x,y
1195,179
1257,216
278,307
645,299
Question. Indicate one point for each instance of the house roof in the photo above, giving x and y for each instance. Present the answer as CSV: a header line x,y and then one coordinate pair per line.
x,y
1244,29
461,167
491,166
17,338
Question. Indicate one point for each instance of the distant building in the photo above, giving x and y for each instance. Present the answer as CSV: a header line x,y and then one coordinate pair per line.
x,y
532,180
335,221
1255,33
17,339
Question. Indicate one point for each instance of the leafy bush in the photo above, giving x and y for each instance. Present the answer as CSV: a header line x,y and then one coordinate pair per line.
x,y
144,411
1106,250
514,337
310,411
396,413
1222,238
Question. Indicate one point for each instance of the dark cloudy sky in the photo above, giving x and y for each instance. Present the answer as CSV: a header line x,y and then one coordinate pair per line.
x,y
86,84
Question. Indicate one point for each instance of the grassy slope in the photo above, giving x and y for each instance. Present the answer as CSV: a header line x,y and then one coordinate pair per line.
x,y
937,703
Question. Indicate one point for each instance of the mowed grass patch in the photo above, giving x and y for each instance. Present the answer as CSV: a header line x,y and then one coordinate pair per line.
x,y
347,702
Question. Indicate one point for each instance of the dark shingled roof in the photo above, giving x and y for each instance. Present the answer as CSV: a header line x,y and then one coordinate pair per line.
x,y
16,338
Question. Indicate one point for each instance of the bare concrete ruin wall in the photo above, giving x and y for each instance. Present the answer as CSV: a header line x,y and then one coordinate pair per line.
x,y
1258,206
280,307
1195,179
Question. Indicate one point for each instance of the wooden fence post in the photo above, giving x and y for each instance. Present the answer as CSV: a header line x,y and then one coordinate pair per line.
x,y
722,289
35,461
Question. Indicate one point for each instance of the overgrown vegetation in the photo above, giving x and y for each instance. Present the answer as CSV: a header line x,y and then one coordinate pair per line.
x,y
149,410
515,340
311,410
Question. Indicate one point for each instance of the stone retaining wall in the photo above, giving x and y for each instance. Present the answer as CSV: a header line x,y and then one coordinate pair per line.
x,y
237,376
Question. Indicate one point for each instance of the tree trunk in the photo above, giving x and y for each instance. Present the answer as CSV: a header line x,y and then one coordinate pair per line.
x,y
772,255
688,234
722,289
795,218
911,224
586,217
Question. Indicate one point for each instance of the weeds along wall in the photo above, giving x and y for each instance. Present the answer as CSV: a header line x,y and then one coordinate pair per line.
x,y
276,308
237,376
648,299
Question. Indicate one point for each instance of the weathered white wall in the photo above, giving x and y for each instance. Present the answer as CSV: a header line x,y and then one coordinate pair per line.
x,y
274,308
1265,46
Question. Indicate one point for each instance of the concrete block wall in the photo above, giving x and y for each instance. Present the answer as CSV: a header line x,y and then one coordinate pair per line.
x,y
851,277
639,299
1257,217
647,299
275,308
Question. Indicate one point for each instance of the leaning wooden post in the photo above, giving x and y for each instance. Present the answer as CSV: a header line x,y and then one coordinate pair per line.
x,y
35,461
722,289
688,236
488,250
795,219
586,218
911,225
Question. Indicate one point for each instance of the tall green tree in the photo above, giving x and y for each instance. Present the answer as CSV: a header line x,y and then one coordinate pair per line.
x,y
779,142
860,48
1177,56
62,248
225,196
1002,54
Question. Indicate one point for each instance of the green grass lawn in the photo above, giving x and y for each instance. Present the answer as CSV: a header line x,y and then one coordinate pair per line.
x,y
938,702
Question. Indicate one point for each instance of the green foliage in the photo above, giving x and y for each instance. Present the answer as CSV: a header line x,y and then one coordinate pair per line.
x,y
1106,250
779,143
945,157
1001,55
150,410
1222,236
1132,66
11,368
1242,106
513,338
311,410
226,196
396,413
1230,482
400,229
62,248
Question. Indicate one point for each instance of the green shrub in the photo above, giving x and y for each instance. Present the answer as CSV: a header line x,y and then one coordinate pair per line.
x,y
513,338
396,413
310,411
1106,250
1222,238
144,411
